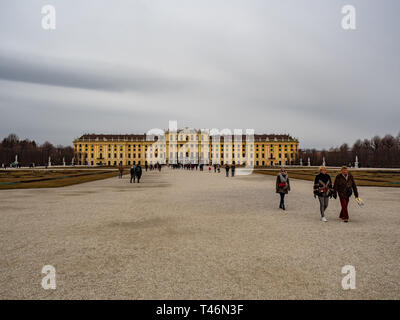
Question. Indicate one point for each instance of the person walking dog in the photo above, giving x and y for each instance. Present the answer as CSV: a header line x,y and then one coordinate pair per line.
x,y
282,186
323,190
344,186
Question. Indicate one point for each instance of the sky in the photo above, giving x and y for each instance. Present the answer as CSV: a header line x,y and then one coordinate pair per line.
x,y
275,66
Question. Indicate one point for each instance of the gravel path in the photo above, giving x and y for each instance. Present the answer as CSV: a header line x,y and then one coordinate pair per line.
x,y
195,235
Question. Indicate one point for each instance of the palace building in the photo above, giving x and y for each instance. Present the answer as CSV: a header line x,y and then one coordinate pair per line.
x,y
185,146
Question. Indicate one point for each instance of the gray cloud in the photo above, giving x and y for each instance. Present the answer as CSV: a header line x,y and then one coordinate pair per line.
x,y
82,74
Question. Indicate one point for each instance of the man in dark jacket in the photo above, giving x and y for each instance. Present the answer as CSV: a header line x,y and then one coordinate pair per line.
x,y
233,167
344,186
138,172
227,170
133,173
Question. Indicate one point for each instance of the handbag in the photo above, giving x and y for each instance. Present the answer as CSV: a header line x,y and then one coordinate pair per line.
x,y
282,185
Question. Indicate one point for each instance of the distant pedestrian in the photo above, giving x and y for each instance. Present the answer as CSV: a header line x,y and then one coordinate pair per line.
x,y
138,171
233,168
146,166
282,186
219,168
227,170
133,173
344,186
323,190
121,171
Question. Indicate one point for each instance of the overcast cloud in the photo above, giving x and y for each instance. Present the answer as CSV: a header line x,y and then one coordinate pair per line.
x,y
275,66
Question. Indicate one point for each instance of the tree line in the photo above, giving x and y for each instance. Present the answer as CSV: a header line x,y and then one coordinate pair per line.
x,y
29,152
376,152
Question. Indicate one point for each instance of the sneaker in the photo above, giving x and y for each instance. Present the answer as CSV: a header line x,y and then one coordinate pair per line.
x,y
345,220
324,219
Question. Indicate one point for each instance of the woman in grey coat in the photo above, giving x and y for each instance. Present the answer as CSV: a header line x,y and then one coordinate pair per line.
x,y
282,186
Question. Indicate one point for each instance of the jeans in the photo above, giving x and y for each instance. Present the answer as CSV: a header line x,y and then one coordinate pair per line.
x,y
323,204
282,203
344,214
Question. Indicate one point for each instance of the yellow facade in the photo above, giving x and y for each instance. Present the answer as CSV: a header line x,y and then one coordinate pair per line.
x,y
185,146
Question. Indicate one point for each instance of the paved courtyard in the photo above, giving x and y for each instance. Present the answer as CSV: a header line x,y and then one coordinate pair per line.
x,y
195,235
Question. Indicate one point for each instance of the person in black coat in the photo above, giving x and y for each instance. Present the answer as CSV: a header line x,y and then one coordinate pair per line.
x,y
227,170
138,172
323,189
133,173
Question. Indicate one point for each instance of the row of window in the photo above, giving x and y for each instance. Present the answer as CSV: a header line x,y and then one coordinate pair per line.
x,y
110,163
181,145
172,155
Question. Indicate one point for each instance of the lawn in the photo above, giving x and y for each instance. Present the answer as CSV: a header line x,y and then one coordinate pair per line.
x,y
376,178
50,178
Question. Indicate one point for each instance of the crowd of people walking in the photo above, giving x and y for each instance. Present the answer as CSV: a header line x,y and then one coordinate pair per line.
x,y
323,189
343,187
